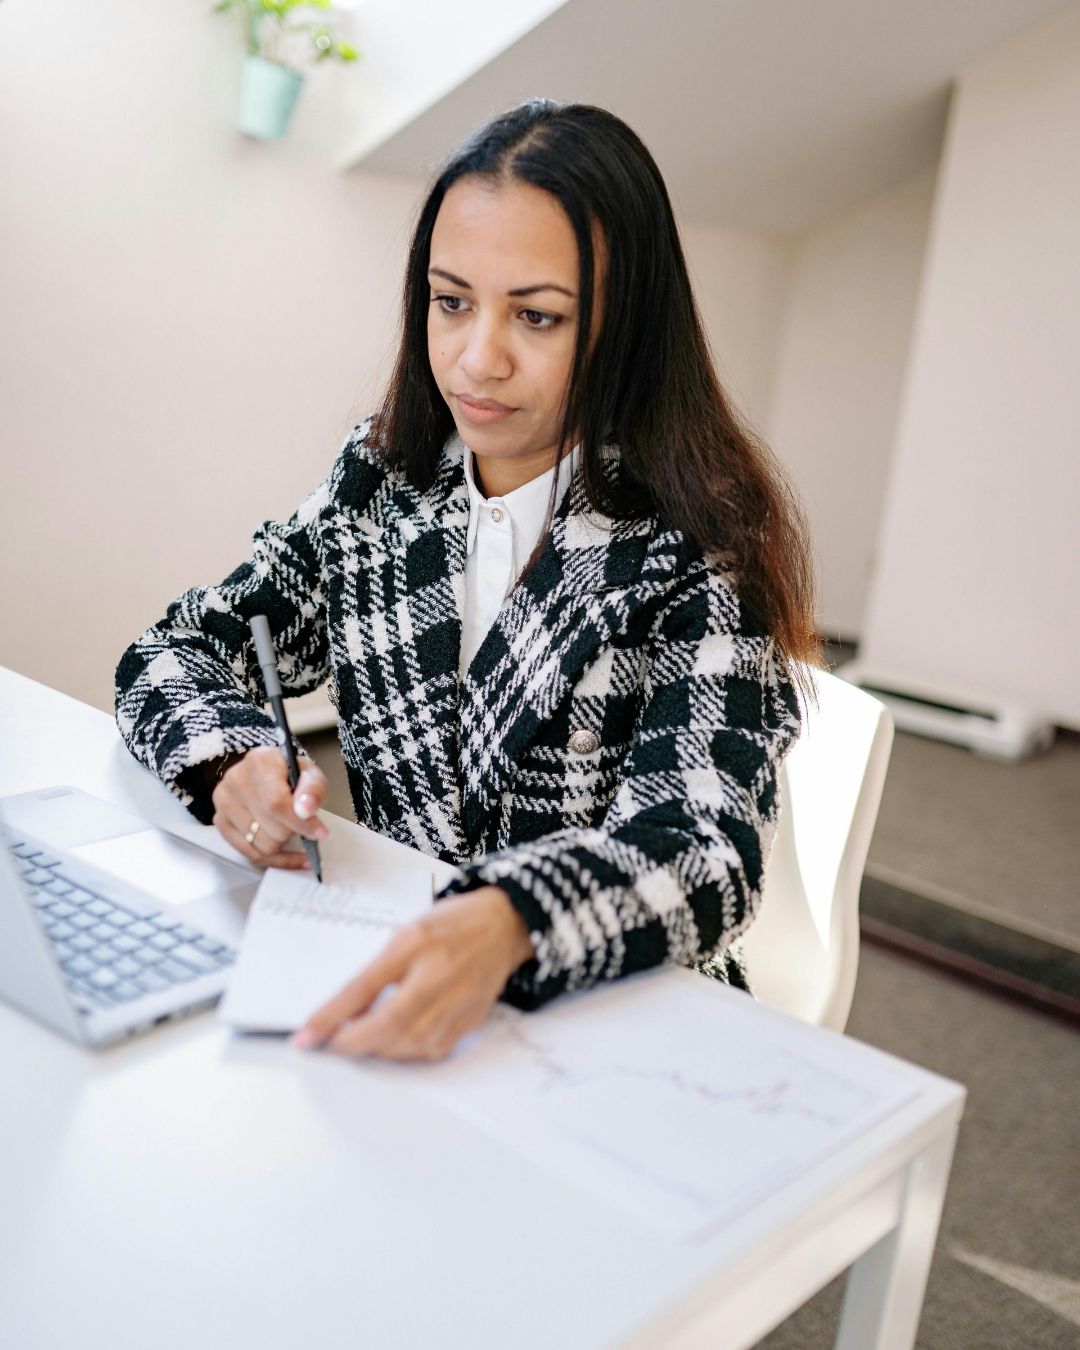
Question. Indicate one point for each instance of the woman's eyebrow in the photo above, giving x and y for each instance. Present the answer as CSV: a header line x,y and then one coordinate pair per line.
x,y
520,290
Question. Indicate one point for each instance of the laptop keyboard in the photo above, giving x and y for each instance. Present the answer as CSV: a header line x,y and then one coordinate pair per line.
x,y
111,955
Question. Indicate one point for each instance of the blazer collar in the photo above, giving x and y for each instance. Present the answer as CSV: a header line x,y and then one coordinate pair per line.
x,y
586,554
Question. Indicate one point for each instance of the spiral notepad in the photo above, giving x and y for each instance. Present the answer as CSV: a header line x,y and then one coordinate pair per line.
x,y
305,941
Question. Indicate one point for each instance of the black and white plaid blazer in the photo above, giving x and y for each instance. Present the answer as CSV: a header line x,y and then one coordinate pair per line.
x,y
610,758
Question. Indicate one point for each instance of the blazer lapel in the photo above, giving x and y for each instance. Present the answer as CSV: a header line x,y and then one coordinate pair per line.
x,y
588,586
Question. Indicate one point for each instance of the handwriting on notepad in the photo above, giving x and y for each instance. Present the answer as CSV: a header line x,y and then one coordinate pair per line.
x,y
331,904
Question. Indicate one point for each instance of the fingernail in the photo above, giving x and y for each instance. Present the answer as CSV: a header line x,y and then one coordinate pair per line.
x,y
304,1039
305,806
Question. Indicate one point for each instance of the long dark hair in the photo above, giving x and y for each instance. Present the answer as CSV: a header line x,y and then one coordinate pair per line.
x,y
649,384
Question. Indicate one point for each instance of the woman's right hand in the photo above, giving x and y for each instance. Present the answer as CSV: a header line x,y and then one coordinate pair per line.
x,y
258,813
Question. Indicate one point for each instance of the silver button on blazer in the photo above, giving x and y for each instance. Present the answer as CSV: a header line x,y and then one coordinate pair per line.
x,y
610,758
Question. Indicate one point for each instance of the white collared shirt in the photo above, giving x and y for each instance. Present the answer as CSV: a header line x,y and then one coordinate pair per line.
x,y
503,531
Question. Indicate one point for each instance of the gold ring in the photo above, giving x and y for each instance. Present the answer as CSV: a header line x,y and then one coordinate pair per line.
x,y
249,838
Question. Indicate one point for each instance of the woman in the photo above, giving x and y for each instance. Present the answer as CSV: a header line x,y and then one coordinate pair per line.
x,y
558,592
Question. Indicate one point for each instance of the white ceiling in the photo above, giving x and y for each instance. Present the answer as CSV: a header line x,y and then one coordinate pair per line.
x,y
763,114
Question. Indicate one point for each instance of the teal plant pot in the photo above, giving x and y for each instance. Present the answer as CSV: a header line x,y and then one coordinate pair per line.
x,y
268,94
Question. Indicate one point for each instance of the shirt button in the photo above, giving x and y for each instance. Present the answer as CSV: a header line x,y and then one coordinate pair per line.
x,y
496,514
584,742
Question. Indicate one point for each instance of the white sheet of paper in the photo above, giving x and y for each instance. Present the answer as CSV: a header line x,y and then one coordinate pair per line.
x,y
668,1096
305,941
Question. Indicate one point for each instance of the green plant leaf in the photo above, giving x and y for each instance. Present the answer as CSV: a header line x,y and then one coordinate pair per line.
x,y
266,21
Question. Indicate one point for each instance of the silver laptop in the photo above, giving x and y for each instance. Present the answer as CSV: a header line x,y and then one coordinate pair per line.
x,y
109,925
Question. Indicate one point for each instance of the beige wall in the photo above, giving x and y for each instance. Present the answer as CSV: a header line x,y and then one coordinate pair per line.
x,y
740,281
976,591
189,320
838,379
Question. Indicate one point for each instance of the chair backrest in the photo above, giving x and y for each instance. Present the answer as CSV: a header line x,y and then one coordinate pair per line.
x,y
802,950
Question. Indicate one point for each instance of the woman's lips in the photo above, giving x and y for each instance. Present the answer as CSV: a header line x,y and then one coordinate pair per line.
x,y
487,410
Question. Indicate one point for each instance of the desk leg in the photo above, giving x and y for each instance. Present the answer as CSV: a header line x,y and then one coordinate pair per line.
x,y
886,1285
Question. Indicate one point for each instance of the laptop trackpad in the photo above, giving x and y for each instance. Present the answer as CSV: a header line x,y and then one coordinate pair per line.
x,y
200,888
169,868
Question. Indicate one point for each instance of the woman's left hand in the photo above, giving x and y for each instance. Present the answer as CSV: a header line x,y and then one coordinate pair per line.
x,y
449,968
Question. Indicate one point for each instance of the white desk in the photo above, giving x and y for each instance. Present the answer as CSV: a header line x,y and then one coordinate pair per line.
x,y
191,1189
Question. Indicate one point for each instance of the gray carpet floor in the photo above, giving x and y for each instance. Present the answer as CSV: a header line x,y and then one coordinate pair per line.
x,y
1000,840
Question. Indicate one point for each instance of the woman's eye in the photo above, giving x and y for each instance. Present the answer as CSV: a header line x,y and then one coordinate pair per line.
x,y
536,319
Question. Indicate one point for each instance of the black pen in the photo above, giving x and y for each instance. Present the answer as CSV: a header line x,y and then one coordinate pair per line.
x,y
264,650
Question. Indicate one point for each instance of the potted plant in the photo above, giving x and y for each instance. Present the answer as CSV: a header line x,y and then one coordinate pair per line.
x,y
282,37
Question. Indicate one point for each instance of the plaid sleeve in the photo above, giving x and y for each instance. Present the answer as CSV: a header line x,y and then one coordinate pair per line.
x,y
190,690
674,871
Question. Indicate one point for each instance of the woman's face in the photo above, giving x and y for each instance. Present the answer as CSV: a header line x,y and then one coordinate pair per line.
x,y
503,320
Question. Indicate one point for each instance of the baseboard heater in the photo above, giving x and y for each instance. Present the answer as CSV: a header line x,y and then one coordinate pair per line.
x,y
1005,731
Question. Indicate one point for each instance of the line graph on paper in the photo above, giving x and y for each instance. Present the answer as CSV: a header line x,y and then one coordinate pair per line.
x,y
667,1098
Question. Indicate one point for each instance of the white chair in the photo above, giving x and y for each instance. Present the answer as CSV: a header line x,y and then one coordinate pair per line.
x,y
802,951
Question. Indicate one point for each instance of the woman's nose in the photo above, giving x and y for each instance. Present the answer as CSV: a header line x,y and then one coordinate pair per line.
x,y
486,356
